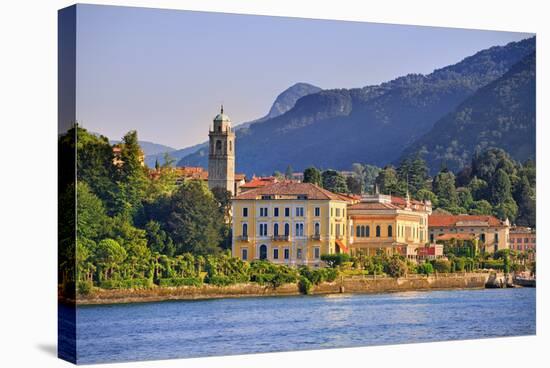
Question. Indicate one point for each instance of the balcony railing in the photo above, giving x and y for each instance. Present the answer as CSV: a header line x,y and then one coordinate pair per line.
x,y
280,237
243,238
316,237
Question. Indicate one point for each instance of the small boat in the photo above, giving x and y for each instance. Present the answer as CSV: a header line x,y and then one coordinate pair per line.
x,y
525,281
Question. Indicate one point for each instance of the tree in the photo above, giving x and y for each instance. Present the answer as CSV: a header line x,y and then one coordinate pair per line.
x,y
335,260
91,218
388,182
427,195
396,267
478,188
525,198
371,173
194,220
444,189
130,176
109,254
501,188
313,175
289,172
481,207
354,184
334,181
465,199
413,173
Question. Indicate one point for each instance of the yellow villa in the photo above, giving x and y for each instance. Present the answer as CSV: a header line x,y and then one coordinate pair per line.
x,y
289,222
393,225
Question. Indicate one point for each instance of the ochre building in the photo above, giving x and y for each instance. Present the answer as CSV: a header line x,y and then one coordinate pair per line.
x,y
288,222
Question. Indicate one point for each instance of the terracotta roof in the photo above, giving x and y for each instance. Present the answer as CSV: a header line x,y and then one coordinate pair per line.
x,y
240,177
259,182
290,188
462,220
400,201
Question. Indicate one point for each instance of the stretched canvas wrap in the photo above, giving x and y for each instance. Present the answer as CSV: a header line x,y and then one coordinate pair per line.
x,y
235,184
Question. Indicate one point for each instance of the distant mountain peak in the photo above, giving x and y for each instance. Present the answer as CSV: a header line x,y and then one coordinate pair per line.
x,y
287,99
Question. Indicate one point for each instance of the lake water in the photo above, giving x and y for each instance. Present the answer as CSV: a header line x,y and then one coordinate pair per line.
x,y
180,329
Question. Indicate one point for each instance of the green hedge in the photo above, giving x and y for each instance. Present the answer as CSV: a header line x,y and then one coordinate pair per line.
x,y
127,284
84,287
180,281
220,280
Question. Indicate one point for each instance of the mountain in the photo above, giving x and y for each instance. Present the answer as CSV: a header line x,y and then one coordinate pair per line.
x,y
334,128
501,114
284,102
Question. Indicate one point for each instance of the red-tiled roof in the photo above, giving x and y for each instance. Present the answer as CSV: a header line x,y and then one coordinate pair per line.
x,y
259,182
290,188
464,220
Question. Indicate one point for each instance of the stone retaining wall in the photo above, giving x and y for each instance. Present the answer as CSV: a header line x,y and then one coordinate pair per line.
x,y
360,284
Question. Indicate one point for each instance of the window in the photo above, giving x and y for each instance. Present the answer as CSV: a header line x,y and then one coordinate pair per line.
x,y
286,253
245,211
287,212
316,252
362,231
337,212
317,211
367,231
276,230
496,238
299,211
358,231
218,146
230,146
276,253
244,254
390,231
299,253
287,229
263,229
520,240
377,231
263,251
317,228
331,212
245,229
431,238
276,212
299,229
526,240
263,211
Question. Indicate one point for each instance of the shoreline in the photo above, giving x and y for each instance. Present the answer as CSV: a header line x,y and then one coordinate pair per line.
x,y
349,285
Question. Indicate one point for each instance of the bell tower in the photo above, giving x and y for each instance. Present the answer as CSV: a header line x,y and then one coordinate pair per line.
x,y
221,154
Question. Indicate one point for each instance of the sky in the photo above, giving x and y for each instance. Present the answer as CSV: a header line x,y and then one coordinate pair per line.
x,y
165,73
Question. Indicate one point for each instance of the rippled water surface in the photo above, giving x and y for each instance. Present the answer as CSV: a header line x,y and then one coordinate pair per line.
x,y
180,329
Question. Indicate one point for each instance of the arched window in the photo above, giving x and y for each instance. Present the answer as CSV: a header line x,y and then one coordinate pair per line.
x,y
358,231
377,231
245,229
362,231
218,146
276,230
390,231
230,146
317,228
287,229
367,231
263,251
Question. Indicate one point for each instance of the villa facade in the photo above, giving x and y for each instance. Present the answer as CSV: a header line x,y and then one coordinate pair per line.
x,y
288,222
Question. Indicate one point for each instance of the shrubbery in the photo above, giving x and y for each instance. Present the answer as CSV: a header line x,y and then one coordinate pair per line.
x,y
127,284
425,268
84,287
181,281
305,285
441,265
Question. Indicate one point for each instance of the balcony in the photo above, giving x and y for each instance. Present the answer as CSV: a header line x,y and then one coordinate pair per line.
x,y
316,237
243,238
280,237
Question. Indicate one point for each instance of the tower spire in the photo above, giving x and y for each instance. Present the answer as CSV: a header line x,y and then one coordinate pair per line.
x,y
221,110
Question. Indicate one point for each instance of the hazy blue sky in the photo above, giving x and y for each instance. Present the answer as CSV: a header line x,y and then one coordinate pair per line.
x,y
165,72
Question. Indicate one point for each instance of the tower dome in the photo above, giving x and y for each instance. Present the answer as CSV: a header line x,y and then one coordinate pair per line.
x,y
222,117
